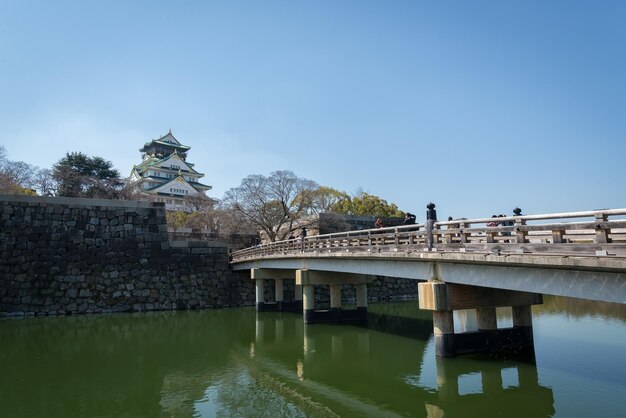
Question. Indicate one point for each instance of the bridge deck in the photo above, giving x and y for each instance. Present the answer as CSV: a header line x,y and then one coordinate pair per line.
x,y
577,259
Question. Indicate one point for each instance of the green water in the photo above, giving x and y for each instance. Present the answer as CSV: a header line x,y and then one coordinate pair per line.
x,y
235,363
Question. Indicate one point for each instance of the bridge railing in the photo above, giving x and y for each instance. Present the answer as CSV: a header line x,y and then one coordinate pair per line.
x,y
593,233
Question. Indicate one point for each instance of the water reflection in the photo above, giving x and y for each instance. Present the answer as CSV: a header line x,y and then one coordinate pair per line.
x,y
473,389
117,365
376,371
235,362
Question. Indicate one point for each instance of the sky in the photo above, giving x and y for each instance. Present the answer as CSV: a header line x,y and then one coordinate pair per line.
x,y
477,106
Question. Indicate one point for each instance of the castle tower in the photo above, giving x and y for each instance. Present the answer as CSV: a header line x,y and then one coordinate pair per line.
x,y
164,175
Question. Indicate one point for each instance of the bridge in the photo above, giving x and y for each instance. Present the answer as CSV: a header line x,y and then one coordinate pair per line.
x,y
460,264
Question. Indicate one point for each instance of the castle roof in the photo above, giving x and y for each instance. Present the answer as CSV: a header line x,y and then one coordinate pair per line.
x,y
151,162
176,181
167,140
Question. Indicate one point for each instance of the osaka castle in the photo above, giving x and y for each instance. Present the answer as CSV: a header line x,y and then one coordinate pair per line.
x,y
165,175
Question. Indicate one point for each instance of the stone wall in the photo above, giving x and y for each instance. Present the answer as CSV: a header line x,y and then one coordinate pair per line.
x,y
234,241
65,255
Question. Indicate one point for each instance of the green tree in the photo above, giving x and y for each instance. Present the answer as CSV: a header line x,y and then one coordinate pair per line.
x,y
365,204
324,198
79,175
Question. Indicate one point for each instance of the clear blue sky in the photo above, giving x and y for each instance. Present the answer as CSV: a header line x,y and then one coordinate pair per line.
x,y
478,106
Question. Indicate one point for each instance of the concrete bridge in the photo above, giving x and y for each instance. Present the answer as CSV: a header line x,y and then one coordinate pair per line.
x,y
460,264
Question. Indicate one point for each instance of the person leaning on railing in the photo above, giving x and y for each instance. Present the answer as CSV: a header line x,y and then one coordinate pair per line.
x,y
506,223
493,223
454,226
409,219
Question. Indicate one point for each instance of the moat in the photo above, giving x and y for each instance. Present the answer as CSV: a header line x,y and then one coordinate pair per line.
x,y
235,362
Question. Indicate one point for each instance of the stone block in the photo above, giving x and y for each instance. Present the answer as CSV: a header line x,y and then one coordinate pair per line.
x,y
202,250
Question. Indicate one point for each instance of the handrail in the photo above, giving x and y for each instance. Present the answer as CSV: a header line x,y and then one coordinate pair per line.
x,y
596,237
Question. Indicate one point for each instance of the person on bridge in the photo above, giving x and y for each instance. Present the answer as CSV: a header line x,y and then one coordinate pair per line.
x,y
454,226
302,237
493,223
506,223
378,223
409,219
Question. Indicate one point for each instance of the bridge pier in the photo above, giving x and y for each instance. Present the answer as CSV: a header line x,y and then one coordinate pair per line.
x,y
260,294
278,276
298,293
335,301
308,279
444,298
308,303
278,293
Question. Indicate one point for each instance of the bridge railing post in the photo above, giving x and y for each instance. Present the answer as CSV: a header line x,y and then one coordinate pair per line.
x,y
520,234
557,236
447,235
602,233
464,235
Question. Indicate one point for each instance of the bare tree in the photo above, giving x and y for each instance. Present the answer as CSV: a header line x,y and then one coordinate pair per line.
x,y
16,177
44,182
199,202
272,204
228,222
19,173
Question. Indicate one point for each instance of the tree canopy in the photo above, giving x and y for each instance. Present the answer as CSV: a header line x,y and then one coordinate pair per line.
x,y
16,177
365,204
281,202
274,203
79,175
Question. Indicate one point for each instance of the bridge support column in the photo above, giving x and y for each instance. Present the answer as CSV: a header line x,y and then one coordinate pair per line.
x,y
278,292
278,276
523,320
308,304
443,324
309,278
486,318
444,298
260,295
